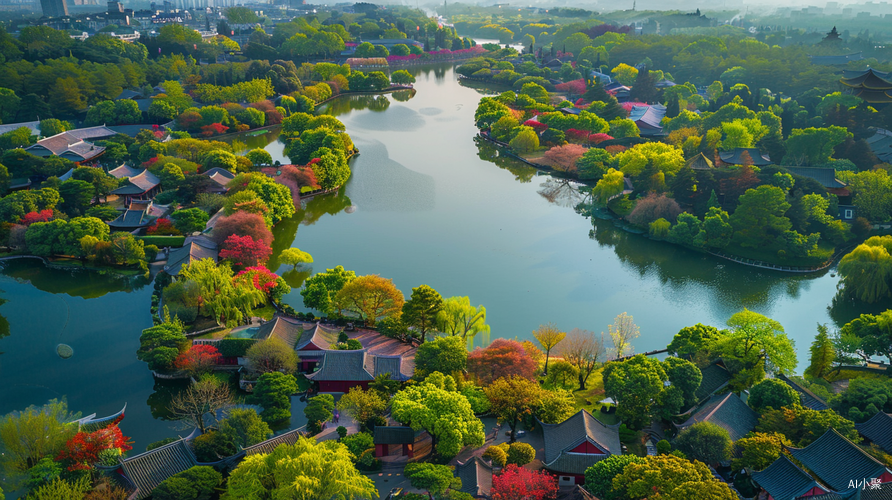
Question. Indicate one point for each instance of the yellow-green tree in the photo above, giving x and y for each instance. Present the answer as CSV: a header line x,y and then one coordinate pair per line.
x,y
609,186
671,477
548,336
370,297
458,317
866,271
625,74
526,140
306,470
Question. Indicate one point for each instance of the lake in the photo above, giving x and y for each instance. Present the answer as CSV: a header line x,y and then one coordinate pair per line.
x,y
427,204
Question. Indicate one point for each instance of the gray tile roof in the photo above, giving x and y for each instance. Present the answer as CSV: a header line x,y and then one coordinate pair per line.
x,y
879,430
733,157
140,183
319,336
808,398
884,492
715,377
347,366
567,435
825,176
700,162
221,171
394,435
476,477
148,469
270,444
727,411
836,460
648,117
130,218
92,132
128,94
193,249
387,365
34,126
783,480
56,144
287,330
124,171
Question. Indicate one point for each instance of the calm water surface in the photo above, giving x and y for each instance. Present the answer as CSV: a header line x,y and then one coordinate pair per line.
x,y
426,205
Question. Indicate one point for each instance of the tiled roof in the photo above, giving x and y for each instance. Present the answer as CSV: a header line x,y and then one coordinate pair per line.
x,y
285,329
270,444
881,144
700,162
67,175
577,493
476,477
124,171
319,336
783,480
648,117
567,435
128,94
394,435
733,157
92,132
221,171
825,176
884,492
879,430
193,249
727,411
715,377
148,469
130,218
343,366
34,126
836,460
139,183
390,365
808,398
869,78
836,60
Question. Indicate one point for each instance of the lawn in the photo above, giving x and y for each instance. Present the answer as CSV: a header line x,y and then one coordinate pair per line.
x,y
594,392
266,312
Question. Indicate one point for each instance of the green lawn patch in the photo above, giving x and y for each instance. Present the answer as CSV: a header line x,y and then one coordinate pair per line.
x,y
820,256
265,312
163,241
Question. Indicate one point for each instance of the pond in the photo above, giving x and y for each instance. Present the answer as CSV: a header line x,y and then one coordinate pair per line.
x,y
427,204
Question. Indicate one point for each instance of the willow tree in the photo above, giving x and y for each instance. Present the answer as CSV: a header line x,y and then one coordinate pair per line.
x,y
35,433
867,270
221,299
757,344
306,470
610,185
459,318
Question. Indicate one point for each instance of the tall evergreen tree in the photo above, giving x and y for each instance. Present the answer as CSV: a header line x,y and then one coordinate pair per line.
x,y
822,354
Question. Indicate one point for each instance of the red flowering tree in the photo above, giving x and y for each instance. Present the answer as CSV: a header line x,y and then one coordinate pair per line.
x,y
599,138
517,483
162,226
82,450
245,250
32,217
213,129
301,176
260,278
615,149
577,136
502,358
197,360
574,87
242,223
563,158
538,126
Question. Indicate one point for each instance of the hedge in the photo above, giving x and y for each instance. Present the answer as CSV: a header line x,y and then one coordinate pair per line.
x,y
163,241
234,347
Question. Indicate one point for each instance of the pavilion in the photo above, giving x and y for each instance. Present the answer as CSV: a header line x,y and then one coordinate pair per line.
x,y
873,86
576,444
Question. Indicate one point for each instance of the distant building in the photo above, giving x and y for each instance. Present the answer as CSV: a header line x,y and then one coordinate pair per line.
x,y
648,119
66,145
873,86
741,156
54,8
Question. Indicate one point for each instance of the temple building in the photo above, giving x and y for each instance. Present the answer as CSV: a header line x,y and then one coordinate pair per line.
x,y
873,86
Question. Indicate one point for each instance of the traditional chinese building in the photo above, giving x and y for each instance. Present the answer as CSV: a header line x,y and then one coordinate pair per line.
x,y
783,480
727,411
576,444
142,186
342,370
476,477
878,430
836,461
873,86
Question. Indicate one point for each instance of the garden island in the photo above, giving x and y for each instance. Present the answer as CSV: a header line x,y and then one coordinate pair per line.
x,y
506,252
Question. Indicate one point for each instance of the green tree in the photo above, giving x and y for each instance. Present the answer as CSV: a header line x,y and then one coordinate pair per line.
x,y
772,393
446,415
822,354
243,428
319,409
635,384
272,355
259,157
444,355
458,317
759,219
512,399
195,483
34,433
548,337
421,310
866,271
160,345
62,489
220,159
320,290
402,76
692,341
433,478
759,450
599,477
76,196
813,146
593,164
369,297
273,391
190,220
520,454
716,230
53,126
304,470
171,175
706,442
362,406
863,399
671,477
759,344
803,425
223,300
526,141
294,257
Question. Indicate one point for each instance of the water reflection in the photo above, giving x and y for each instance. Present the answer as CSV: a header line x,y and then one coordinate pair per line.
x,y
562,192
384,185
346,104
399,118
75,283
488,152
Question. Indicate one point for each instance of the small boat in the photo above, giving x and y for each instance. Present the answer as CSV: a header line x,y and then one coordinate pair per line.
x,y
256,133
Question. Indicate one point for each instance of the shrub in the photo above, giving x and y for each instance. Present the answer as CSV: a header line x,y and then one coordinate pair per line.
x,y
211,447
520,454
772,393
231,347
663,447
158,444
197,483
599,477
496,455
342,431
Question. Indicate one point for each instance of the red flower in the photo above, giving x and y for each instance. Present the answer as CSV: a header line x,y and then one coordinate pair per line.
x,y
32,217
517,483
82,450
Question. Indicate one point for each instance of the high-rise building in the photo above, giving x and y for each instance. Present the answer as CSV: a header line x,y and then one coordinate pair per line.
x,y
54,8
